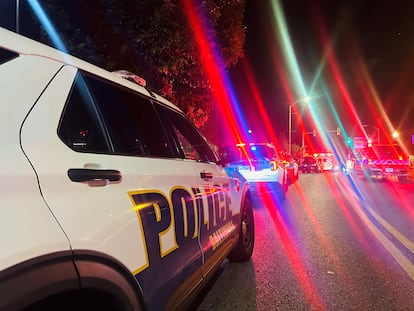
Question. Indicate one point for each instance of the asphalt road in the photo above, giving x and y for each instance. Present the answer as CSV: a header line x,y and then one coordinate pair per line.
x,y
336,243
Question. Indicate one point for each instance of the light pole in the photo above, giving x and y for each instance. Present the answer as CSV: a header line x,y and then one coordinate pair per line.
x,y
17,16
290,128
376,129
306,99
395,134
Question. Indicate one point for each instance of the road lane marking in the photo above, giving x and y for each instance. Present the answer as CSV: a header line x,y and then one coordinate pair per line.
x,y
397,234
401,259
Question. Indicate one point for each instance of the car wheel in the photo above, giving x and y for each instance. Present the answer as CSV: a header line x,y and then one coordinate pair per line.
x,y
244,248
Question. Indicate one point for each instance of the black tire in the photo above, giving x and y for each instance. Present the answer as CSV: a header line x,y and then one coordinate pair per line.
x,y
244,248
80,300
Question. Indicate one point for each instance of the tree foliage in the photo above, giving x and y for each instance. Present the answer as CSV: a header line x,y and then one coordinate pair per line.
x,y
152,39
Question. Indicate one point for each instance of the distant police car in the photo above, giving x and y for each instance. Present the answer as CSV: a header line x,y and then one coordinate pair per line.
x,y
260,164
110,198
382,161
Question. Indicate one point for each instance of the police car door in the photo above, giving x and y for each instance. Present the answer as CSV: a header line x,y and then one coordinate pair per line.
x,y
110,176
210,191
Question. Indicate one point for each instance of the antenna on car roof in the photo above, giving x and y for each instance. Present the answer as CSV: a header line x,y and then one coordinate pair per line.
x,y
130,76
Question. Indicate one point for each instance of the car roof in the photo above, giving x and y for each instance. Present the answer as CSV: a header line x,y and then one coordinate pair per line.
x,y
26,46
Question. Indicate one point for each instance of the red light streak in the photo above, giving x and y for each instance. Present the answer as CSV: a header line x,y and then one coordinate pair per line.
x,y
213,68
292,253
321,235
263,114
282,75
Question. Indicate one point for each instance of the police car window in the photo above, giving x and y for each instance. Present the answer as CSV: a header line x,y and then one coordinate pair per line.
x,y
80,127
6,55
192,143
132,121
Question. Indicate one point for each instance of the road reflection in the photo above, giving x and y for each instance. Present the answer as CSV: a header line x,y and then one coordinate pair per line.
x,y
336,243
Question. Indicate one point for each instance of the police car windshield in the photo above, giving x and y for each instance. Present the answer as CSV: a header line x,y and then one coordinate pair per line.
x,y
257,152
250,152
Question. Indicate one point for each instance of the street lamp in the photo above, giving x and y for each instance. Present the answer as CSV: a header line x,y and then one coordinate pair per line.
x,y
377,129
306,99
395,134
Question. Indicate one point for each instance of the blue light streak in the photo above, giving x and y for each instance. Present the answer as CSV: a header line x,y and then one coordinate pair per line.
x,y
47,24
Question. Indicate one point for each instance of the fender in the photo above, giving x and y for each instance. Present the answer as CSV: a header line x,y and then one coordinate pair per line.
x,y
37,278
57,273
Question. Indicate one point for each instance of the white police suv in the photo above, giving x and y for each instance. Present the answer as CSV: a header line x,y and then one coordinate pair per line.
x,y
260,164
110,198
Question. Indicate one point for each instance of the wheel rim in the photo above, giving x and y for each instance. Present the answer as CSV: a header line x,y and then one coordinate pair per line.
x,y
245,230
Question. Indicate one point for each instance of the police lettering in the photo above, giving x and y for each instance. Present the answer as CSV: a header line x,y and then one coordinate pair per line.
x,y
174,222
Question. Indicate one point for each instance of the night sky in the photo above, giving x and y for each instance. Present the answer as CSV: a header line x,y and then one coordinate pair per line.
x,y
372,49
373,39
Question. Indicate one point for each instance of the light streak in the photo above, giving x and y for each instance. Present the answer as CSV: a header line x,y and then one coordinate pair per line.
x,y
399,257
47,24
213,63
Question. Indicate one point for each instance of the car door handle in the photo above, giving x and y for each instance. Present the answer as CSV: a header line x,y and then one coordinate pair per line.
x,y
206,175
87,175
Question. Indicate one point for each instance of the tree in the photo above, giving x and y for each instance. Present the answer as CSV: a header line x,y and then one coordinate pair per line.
x,y
151,38
298,151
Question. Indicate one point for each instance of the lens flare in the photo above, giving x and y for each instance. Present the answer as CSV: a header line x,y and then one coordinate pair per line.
x,y
47,24
234,124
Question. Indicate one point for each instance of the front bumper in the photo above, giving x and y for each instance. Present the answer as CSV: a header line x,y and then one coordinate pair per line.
x,y
389,171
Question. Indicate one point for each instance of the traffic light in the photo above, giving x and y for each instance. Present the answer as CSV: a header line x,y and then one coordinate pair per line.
x,y
338,131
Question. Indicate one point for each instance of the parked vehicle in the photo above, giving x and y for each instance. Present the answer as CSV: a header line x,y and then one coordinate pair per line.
x,y
310,165
326,161
111,199
381,161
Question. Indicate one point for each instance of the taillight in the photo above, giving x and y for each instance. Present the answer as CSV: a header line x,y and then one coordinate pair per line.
x,y
273,165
